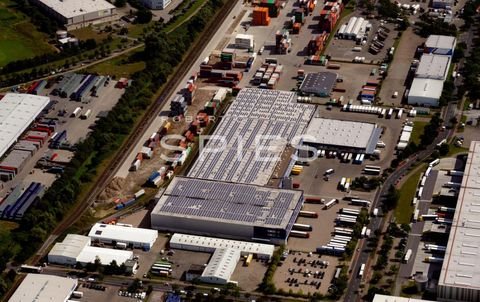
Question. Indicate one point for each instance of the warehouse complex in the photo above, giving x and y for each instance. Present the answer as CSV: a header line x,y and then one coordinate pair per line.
x,y
240,148
114,234
432,71
226,254
460,275
76,249
156,4
319,84
347,136
79,13
41,287
230,210
17,112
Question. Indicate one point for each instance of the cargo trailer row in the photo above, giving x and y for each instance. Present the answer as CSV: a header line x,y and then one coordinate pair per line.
x,y
378,41
405,135
364,109
14,208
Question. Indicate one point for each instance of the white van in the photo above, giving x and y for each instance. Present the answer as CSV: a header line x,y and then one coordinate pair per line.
x,y
329,171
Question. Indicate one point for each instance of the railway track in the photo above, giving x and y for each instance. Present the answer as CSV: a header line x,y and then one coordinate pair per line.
x,y
152,112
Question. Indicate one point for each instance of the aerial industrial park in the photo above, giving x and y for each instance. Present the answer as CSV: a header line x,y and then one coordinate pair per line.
x,y
228,150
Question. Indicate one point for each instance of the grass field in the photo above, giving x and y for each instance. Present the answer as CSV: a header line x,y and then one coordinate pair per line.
x,y
88,33
417,131
19,39
404,209
184,17
118,67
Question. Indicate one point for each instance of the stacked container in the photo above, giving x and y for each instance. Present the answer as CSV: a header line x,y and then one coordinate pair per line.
x,y
260,17
178,106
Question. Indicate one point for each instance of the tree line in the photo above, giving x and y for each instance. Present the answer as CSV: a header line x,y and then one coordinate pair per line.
x,y
162,53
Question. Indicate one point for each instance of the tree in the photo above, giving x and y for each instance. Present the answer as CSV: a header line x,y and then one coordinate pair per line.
x,y
391,199
144,16
444,149
120,3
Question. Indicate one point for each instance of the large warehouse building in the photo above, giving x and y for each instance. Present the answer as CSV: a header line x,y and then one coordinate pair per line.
x,y
425,92
41,287
226,254
347,136
133,237
230,210
254,115
460,275
385,298
433,67
156,4
17,113
440,45
74,14
210,244
76,249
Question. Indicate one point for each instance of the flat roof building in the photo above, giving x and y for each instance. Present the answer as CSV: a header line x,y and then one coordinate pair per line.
x,y
76,249
79,13
433,67
42,287
425,92
210,244
319,84
440,45
460,275
230,210
17,112
385,298
113,234
349,136
257,119
156,4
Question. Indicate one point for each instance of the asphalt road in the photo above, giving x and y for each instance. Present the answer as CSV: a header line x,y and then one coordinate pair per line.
x,y
376,222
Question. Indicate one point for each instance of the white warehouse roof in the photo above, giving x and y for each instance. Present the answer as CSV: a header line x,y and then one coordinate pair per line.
x,y
461,267
17,112
111,232
106,256
221,266
74,8
41,287
339,133
438,41
76,248
384,298
210,244
425,89
70,247
433,67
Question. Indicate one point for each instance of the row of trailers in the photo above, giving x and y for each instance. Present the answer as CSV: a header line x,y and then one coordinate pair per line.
x,y
161,268
342,233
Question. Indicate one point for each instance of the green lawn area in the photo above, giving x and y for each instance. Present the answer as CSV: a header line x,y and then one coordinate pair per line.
x,y
88,33
19,39
454,150
185,16
417,131
404,210
119,66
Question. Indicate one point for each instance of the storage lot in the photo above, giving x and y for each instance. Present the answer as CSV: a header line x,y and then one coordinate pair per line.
x,y
292,269
341,50
76,129
322,227
110,294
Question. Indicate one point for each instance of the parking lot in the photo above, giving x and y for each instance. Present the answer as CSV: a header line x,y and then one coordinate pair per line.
x,y
109,294
306,273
